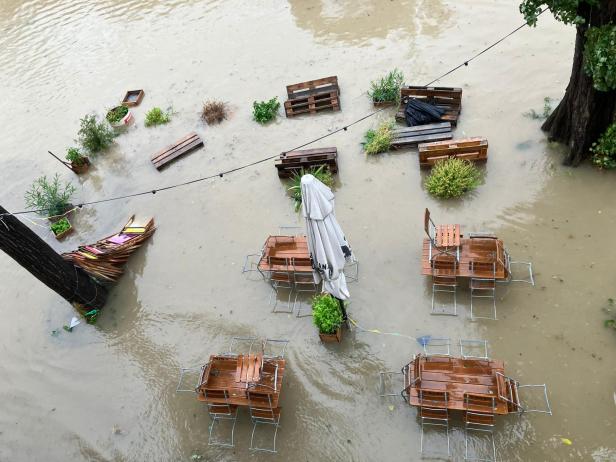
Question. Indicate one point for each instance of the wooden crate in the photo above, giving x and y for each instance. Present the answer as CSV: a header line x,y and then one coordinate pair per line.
x,y
412,136
293,161
447,98
474,149
183,146
312,96
133,98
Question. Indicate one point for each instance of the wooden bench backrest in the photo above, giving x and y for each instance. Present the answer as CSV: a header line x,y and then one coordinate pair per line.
x,y
448,96
311,85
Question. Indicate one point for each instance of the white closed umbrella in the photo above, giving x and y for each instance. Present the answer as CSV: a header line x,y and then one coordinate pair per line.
x,y
327,245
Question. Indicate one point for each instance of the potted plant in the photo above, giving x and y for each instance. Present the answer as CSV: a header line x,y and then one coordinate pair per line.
x,y
79,162
119,117
50,197
386,90
327,316
61,228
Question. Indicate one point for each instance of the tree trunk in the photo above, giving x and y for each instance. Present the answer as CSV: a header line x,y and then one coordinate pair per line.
x,y
584,113
61,276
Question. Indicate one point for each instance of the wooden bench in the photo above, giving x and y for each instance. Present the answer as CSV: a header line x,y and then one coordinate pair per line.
x,y
473,149
312,96
248,368
183,146
448,99
294,161
412,136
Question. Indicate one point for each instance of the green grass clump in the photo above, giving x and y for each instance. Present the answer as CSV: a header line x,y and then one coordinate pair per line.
x,y
379,140
265,111
326,313
49,197
156,116
74,156
94,136
604,149
321,173
453,178
60,226
547,110
387,89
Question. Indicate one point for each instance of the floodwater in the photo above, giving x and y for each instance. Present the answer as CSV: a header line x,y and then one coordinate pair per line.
x,y
107,392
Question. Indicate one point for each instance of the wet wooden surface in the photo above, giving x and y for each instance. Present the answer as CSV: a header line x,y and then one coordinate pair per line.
x,y
285,253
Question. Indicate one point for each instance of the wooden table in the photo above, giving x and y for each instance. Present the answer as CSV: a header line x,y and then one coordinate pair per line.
x,y
285,253
221,383
479,251
458,377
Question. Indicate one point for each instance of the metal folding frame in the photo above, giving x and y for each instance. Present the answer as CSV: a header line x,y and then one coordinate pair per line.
x,y
261,420
187,370
475,287
435,343
282,342
235,341
284,230
285,282
485,427
432,421
486,431
303,282
352,265
251,264
222,412
446,288
548,408
383,377
469,343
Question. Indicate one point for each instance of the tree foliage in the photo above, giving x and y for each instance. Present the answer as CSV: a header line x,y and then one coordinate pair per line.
x,y
600,56
565,11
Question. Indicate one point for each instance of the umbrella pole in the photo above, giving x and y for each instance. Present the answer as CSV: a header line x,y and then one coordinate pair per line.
x,y
345,317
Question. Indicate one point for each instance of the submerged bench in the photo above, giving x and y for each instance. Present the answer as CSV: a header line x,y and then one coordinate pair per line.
x,y
474,149
449,99
183,146
294,161
412,136
313,96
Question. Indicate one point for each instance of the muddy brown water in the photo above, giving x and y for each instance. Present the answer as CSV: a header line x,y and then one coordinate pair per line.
x,y
107,392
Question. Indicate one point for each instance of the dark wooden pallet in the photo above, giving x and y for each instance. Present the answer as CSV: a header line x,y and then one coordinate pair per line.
x,y
448,99
412,136
474,149
312,96
183,146
293,161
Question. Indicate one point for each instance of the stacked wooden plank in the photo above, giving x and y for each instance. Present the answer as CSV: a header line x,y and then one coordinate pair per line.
x,y
412,136
294,161
183,146
448,99
474,149
104,260
313,96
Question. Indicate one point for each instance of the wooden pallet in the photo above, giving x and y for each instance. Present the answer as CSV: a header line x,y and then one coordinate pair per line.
x,y
312,96
447,98
474,149
412,136
294,161
183,146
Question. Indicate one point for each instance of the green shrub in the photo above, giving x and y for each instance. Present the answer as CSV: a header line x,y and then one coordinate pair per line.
x,y
604,149
74,156
379,140
326,313
600,56
387,89
50,197
116,114
60,226
321,173
156,116
452,178
547,110
94,136
265,111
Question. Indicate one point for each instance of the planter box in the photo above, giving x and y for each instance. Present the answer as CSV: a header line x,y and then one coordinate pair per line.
x,y
383,103
331,338
66,214
64,233
133,98
81,168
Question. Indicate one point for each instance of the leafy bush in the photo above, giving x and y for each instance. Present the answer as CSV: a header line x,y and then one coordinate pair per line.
x,y
452,178
321,173
49,197
156,116
604,149
94,136
600,56
74,156
326,313
265,111
214,112
60,226
116,114
547,110
379,140
387,89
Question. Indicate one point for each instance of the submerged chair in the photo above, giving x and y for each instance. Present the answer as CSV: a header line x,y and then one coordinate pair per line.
x,y
280,278
433,413
303,282
262,413
444,279
220,413
479,418
483,285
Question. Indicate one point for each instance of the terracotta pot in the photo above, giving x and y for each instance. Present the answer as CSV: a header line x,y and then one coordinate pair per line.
x,y
81,168
331,338
124,122
64,233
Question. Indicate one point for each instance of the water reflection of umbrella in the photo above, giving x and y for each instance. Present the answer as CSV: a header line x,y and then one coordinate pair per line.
x,y
327,245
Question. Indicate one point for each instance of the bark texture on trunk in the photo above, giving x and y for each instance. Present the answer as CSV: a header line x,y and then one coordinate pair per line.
x,y
584,113
31,252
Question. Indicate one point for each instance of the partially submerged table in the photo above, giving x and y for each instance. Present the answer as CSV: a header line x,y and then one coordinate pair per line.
x,y
285,253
